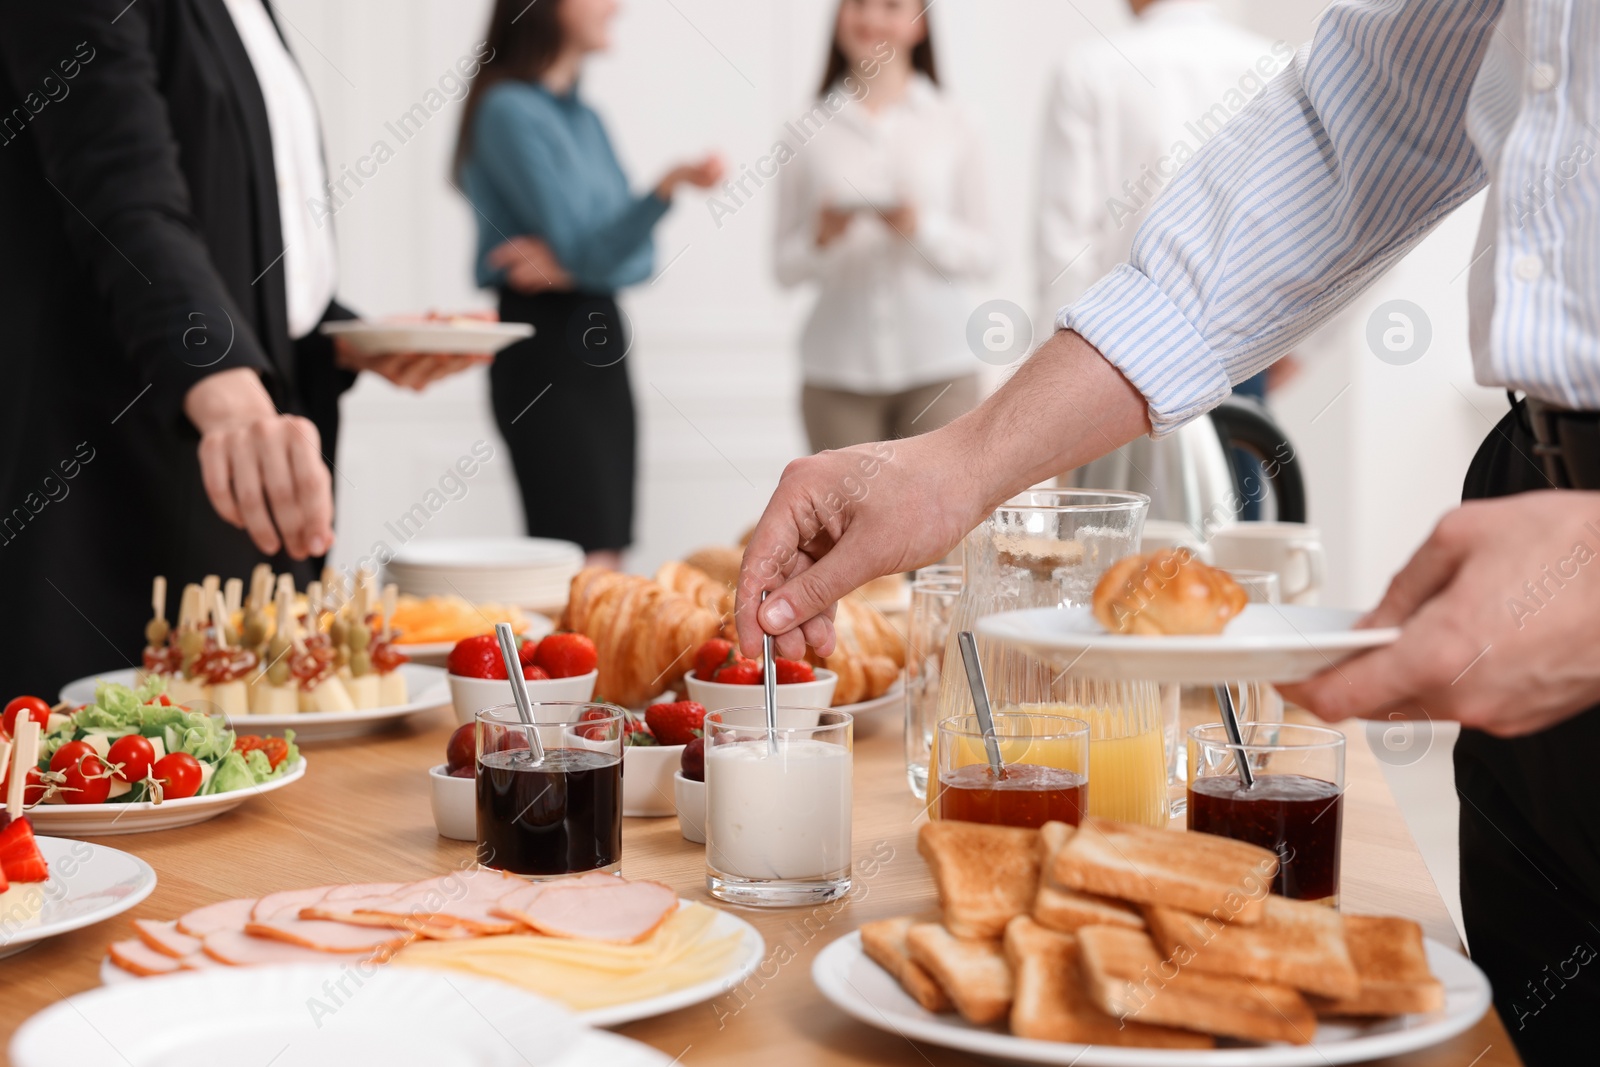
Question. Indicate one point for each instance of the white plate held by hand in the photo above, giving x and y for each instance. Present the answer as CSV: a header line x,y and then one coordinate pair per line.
x,y
1265,643
866,991
460,337
87,884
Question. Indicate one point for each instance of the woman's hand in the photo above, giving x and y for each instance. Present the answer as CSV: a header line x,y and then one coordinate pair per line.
x,y
701,175
831,224
529,264
409,370
1499,616
902,219
263,471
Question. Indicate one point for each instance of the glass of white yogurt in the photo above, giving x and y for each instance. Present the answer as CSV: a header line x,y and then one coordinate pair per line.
x,y
778,809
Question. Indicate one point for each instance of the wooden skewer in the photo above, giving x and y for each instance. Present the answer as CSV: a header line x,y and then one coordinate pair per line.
x,y
314,608
286,615
391,600
261,587
24,758
219,618
208,585
233,595
158,597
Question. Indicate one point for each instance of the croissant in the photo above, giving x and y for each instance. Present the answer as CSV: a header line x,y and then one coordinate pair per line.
x,y
721,562
1166,592
868,654
697,585
645,633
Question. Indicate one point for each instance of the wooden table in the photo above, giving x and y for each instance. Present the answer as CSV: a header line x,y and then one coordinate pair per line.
x,y
361,814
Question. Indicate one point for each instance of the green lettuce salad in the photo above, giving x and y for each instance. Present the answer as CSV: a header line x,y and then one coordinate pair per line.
x,y
118,711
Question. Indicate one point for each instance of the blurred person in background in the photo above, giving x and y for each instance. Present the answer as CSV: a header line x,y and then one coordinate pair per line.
x,y
883,206
169,406
559,232
1123,114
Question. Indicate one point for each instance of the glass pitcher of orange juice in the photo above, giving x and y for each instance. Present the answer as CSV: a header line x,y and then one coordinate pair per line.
x,y
1048,548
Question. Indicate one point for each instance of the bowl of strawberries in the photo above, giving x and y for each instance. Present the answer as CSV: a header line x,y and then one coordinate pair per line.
x,y
561,666
722,679
652,751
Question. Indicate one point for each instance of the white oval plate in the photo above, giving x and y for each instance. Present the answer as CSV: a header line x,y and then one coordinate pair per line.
x,y
428,687
301,1016
1266,643
87,884
461,337
862,989
751,949
107,820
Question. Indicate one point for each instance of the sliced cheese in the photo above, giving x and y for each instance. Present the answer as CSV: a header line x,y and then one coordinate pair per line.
x,y
100,743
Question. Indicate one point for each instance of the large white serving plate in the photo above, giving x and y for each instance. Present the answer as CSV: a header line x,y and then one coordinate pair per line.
x,y
317,1014
1265,643
862,989
87,884
106,820
743,963
428,686
461,337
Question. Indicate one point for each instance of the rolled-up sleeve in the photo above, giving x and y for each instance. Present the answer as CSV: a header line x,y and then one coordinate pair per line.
x,y
1319,185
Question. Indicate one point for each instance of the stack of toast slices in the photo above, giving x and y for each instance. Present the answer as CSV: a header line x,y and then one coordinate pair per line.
x,y
1111,934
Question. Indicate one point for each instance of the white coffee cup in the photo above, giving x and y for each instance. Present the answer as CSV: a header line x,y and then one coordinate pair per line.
x,y
1293,550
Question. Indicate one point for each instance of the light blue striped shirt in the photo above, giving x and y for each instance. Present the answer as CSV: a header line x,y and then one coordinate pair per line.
x,y
1396,113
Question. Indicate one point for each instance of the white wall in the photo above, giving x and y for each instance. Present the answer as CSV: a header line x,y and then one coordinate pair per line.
x,y
712,363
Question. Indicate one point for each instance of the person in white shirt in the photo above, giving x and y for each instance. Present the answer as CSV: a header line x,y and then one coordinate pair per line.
x,y
1123,114
1394,116
882,205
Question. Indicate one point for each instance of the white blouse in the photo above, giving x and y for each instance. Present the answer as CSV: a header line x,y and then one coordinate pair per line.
x,y
310,262
891,311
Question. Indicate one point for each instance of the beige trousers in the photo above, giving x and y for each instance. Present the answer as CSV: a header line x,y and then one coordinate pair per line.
x,y
837,418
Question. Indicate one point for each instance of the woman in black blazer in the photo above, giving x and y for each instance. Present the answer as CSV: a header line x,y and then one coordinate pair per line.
x,y
155,415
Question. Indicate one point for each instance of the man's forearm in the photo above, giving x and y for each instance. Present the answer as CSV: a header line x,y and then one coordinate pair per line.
x,y
1062,408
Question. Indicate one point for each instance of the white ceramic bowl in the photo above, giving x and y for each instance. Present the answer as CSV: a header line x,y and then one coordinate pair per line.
x,y
647,772
471,695
455,805
718,695
691,798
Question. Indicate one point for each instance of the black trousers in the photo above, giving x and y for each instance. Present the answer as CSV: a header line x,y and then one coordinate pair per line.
x,y
562,402
1530,840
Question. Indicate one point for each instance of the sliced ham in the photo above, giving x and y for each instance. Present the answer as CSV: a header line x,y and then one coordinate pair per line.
x,y
324,936
625,912
136,957
166,938
287,904
198,961
464,900
238,949
364,889
223,915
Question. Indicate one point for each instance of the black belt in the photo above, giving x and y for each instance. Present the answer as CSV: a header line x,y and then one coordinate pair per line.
x,y
1567,443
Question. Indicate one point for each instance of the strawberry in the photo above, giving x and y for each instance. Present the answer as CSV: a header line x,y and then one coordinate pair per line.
x,y
694,760
676,723
711,655
527,651
791,671
566,655
477,657
20,858
739,672
534,674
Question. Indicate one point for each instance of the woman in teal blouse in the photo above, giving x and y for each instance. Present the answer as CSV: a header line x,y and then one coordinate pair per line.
x,y
559,232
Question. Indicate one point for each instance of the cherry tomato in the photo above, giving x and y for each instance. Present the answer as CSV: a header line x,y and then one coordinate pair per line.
x,y
135,754
33,707
32,793
179,775
88,779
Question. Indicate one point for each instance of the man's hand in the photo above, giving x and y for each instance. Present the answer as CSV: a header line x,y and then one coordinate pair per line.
x,y
409,370
1500,617
262,471
902,219
840,519
831,224
529,264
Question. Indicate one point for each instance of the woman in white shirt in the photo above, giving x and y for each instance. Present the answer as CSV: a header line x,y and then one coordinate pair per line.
x,y
882,204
